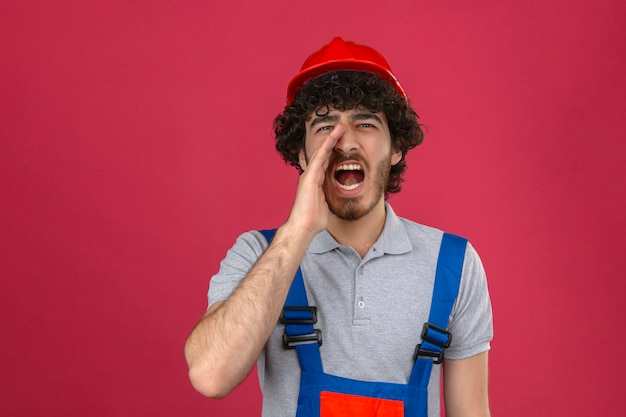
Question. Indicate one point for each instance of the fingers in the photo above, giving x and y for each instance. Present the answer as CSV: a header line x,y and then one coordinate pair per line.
x,y
322,154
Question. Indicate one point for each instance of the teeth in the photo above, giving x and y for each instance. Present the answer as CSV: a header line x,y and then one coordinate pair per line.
x,y
349,167
349,187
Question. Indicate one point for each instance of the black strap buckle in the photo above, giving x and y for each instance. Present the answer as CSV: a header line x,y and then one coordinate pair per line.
x,y
298,315
436,336
438,356
305,315
290,342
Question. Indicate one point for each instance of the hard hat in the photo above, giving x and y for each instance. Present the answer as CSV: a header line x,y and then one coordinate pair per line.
x,y
342,55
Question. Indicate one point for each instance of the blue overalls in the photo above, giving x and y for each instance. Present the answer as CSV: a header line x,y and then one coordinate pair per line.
x,y
325,395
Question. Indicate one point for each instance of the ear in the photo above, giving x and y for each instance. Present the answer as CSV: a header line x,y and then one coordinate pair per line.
x,y
302,159
396,155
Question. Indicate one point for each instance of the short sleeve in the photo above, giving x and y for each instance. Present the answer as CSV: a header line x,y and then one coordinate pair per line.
x,y
471,321
235,266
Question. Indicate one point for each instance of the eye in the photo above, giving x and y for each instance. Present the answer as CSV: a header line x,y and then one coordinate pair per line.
x,y
325,128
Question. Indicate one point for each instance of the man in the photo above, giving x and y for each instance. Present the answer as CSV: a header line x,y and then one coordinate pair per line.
x,y
364,278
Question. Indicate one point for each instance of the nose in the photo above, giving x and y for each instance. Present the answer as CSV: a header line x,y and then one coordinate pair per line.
x,y
347,142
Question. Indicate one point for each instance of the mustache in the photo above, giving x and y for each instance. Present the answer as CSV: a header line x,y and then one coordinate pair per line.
x,y
336,158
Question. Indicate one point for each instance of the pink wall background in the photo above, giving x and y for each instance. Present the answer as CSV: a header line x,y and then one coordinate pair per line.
x,y
136,145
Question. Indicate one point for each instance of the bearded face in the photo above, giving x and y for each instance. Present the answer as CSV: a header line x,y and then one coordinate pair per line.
x,y
360,164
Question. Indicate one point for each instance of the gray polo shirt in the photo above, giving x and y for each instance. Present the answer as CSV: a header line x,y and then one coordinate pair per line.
x,y
370,311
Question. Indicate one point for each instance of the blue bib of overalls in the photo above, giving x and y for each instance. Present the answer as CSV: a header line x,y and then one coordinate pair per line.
x,y
325,395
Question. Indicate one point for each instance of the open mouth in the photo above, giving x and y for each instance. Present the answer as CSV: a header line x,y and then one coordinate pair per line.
x,y
349,176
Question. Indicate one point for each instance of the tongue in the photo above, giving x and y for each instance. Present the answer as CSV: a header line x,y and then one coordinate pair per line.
x,y
349,177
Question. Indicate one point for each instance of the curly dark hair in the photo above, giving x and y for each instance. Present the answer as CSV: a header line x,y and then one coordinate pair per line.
x,y
345,90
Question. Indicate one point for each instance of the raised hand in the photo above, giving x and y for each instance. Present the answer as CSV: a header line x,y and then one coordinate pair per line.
x,y
310,211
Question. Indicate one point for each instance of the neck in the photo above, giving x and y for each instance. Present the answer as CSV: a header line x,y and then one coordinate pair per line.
x,y
360,234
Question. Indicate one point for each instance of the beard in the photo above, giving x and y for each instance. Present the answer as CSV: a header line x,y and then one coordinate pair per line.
x,y
354,208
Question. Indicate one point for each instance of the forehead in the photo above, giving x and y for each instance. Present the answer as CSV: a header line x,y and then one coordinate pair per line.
x,y
329,113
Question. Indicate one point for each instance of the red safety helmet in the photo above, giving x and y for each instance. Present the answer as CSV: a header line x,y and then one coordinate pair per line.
x,y
342,55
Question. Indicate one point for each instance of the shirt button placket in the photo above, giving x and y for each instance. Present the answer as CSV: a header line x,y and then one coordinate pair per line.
x,y
360,302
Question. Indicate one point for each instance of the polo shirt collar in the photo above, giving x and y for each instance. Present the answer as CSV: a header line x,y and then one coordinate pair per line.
x,y
393,240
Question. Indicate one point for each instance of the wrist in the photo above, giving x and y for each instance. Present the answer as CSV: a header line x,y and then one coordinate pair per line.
x,y
296,235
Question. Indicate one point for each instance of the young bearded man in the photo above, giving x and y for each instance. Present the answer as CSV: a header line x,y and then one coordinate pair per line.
x,y
349,309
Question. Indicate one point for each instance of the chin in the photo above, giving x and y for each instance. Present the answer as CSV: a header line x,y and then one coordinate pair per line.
x,y
351,209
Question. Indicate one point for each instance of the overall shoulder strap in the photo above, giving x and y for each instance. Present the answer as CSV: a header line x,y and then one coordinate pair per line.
x,y
435,337
298,318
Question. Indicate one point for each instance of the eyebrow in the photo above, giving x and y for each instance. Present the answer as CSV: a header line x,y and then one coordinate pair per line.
x,y
330,118
324,119
366,116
